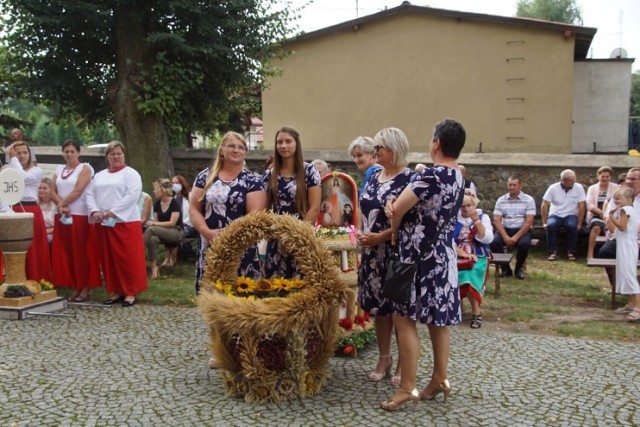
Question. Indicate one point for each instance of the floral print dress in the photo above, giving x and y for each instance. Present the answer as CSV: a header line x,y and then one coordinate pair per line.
x,y
223,203
373,264
435,297
277,263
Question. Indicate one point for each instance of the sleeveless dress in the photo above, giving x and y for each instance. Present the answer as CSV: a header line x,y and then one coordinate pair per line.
x,y
373,264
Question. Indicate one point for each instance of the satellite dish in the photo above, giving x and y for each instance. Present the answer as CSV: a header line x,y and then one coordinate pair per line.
x,y
11,186
618,53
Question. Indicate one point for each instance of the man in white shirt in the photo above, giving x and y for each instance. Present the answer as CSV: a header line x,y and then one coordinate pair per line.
x,y
513,218
563,205
608,249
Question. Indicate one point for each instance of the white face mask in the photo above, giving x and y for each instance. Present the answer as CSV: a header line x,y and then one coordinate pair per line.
x,y
176,188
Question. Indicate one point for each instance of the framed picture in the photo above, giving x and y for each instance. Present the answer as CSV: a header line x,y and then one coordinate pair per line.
x,y
339,204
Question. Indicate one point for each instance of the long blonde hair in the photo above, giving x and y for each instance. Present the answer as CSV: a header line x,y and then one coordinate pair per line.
x,y
219,161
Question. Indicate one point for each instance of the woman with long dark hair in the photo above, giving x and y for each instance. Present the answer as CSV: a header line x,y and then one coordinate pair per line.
x,y
293,187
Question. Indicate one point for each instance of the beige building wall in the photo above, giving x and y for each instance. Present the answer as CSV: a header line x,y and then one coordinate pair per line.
x,y
511,86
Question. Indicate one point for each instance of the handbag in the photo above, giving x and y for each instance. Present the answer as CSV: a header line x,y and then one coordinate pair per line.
x,y
398,279
400,275
465,264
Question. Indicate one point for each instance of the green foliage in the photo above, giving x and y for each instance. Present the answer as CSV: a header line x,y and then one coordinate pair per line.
x,y
566,11
635,95
190,65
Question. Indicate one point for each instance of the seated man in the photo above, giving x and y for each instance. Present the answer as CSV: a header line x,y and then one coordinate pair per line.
x,y
563,205
632,180
513,218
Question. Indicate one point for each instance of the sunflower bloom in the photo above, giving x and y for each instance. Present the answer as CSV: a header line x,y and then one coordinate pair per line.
x,y
245,285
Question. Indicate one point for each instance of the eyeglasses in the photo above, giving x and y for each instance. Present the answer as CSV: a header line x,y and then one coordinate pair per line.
x,y
378,147
235,147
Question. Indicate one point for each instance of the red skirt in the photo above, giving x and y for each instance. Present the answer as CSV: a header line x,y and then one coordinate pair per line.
x,y
75,254
38,263
121,253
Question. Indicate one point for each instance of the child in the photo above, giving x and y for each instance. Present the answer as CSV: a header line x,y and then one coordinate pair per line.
x,y
625,219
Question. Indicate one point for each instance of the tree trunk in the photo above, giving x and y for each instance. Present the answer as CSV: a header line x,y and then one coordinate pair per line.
x,y
144,135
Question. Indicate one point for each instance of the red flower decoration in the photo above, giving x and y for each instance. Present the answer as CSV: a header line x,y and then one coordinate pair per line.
x,y
360,321
366,316
348,349
346,323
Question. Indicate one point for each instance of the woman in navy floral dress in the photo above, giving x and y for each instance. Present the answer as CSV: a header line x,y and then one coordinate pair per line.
x,y
223,193
293,187
426,208
391,147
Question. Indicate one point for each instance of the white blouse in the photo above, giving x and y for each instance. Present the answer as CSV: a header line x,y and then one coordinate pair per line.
x,y
32,179
117,192
64,186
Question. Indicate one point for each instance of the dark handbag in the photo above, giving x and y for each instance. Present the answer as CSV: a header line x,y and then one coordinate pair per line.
x,y
465,264
399,279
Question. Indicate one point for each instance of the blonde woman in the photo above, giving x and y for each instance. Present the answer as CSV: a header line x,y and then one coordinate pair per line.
x,y
38,264
166,226
222,193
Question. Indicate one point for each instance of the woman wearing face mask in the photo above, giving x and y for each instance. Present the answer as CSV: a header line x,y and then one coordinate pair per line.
x,y
225,192
38,264
181,190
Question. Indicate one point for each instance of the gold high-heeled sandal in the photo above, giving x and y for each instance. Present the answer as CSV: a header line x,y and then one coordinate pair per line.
x,y
376,376
444,388
393,405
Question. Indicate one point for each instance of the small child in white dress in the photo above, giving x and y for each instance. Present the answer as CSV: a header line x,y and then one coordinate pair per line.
x,y
625,219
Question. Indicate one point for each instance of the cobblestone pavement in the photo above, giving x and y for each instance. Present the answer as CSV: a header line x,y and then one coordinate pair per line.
x,y
147,365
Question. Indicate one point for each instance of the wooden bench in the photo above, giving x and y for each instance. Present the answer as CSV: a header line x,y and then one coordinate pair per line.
x,y
610,265
502,260
499,261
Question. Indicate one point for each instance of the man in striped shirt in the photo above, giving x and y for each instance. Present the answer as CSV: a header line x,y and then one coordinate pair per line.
x,y
513,219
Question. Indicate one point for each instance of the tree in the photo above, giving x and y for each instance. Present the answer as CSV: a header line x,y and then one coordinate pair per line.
x,y
635,95
550,10
152,65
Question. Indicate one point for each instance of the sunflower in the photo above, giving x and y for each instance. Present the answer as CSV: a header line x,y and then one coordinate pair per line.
x,y
296,284
245,285
263,285
277,283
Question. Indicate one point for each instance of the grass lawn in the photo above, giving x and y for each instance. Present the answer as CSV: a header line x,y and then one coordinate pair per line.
x,y
560,298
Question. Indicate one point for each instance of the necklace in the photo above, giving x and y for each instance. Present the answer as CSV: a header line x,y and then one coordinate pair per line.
x,y
66,172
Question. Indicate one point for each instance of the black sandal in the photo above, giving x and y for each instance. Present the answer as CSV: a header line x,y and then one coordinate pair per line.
x,y
476,321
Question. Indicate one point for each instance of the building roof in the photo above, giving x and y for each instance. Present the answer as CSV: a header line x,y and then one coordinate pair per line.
x,y
583,35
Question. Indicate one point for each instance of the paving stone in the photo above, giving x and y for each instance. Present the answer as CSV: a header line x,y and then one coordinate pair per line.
x,y
147,365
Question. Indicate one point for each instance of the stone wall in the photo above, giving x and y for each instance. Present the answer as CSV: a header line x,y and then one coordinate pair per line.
x,y
489,171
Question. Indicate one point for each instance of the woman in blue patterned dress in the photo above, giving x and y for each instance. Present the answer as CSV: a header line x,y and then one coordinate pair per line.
x,y
391,147
426,209
221,194
293,187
